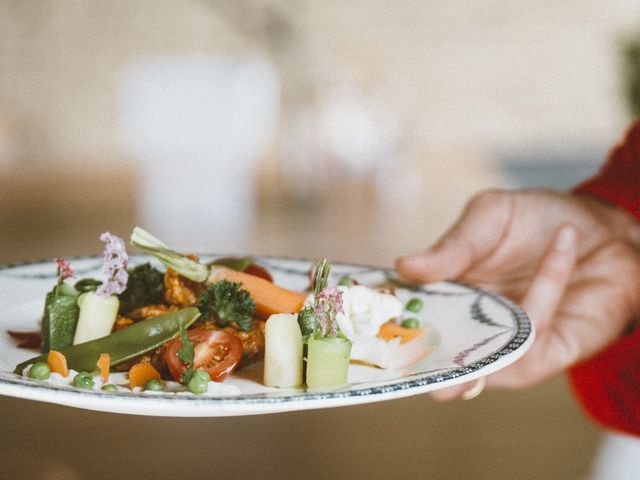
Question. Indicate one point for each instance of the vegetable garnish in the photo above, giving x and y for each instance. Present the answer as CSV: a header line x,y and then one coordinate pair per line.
x,y
125,344
283,355
327,306
308,318
87,285
103,365
114,265
99,308
186,354
61,312
57,363
145,287
320,276
328,349
390,330
269,298
226,302
177,261
64,270
215,351
141,373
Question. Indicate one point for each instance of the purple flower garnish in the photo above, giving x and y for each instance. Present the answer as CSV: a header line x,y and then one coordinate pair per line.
x,y
327,306
64,270
114,266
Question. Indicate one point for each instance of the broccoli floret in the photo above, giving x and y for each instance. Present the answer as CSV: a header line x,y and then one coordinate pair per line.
x,y
144,287
226,302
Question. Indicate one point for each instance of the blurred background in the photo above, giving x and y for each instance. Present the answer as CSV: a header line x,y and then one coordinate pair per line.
x,y
350,130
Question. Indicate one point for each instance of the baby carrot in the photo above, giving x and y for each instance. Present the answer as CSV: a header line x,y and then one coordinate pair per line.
x,y
270,298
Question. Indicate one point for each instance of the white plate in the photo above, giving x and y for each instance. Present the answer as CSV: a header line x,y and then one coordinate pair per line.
x,y
473,333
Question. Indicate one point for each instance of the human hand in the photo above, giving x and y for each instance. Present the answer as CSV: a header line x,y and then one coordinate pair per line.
x,y
571,261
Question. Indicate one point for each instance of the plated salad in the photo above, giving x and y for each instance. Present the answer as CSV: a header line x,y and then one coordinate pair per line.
x,y
186,328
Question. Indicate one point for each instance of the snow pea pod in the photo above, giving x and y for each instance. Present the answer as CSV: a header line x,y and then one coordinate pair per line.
x,y
125,344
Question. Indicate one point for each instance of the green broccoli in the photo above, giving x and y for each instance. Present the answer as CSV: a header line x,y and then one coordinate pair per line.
x,y
226,302
144,287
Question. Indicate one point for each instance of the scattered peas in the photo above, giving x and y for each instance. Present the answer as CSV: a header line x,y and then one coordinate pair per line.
x,y
197,385
410,323
39,371
344,281
109,387
414,305
154,385
83,380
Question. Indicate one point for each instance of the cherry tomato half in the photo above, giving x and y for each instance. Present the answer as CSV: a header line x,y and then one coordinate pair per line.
x,y
259,271
216,351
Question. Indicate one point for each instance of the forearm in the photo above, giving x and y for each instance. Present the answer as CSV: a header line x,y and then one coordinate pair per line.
x,y
608,384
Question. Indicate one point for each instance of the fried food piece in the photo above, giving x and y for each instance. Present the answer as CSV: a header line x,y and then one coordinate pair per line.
x,y
121,322
181,291
149,311
155,358
252,341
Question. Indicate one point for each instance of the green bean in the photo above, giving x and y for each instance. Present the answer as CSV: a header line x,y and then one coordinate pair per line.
x,y
124,344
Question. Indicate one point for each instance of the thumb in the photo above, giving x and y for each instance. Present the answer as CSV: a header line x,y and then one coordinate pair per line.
x,y
474,236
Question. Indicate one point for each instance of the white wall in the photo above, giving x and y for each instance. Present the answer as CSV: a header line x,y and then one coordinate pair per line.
x,y
478,74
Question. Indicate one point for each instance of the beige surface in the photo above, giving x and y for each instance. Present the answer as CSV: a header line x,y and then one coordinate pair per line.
x,y
526,435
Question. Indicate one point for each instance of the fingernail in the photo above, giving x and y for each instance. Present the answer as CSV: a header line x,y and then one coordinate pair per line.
x,y
566,238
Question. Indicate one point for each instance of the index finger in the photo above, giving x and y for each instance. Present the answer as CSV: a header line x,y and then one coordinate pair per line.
x,y
476,234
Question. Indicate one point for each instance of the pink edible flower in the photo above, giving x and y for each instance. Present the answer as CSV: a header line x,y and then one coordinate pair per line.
x,y
327,306
64,270
114,266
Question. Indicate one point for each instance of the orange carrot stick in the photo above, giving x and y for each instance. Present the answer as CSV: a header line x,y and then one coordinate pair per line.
x,y
103,364
390,330
141,373
269,298
57,363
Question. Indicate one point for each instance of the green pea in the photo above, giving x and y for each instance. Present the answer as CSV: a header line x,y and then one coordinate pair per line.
x,y
109,387
344,281
197,385
83,380
414,305
39,371
154,385
202,375
410,323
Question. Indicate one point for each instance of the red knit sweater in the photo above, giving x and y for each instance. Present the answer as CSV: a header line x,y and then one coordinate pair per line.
x,y
608,384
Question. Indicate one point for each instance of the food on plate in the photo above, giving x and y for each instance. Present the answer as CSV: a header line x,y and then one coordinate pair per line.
x,y
180,329
283,356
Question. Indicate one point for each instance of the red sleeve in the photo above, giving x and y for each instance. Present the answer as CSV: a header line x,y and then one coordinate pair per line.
x,y
608,384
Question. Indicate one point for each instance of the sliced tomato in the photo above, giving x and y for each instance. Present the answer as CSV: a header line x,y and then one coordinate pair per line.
x,y
244,264
259,271
216,351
